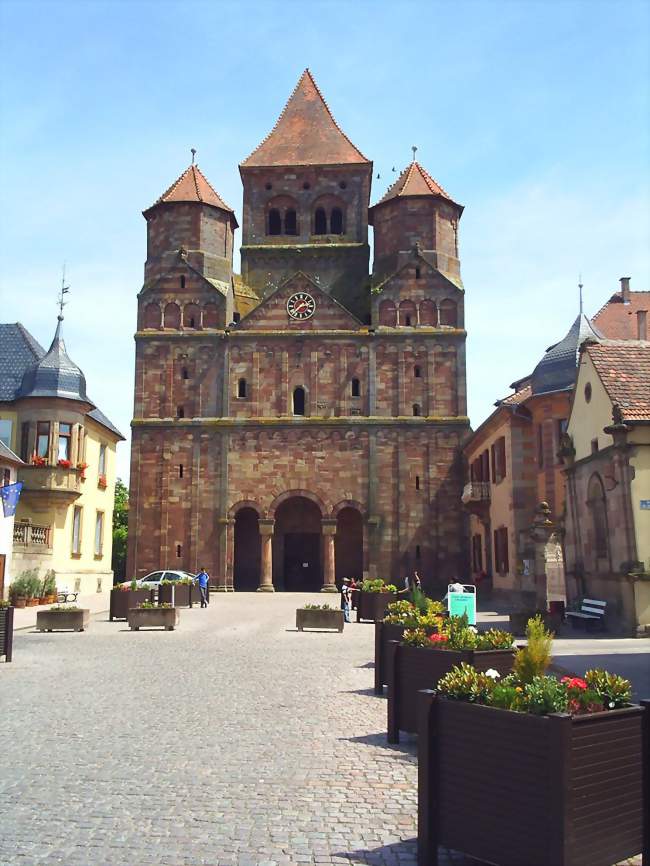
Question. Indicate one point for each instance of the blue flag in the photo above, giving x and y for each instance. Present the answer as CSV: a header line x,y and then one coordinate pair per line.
x,y
10,494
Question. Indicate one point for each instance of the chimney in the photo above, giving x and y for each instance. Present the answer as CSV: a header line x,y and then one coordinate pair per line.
x,y
625,289
642,324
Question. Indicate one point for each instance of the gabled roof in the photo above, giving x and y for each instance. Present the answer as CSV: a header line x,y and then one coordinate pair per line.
x,y
415,181
519,397
455,281
624,369
617,320
192,186
305,133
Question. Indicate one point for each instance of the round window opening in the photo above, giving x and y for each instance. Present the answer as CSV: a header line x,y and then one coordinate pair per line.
x,y
268,186
588,392
343,185
306,185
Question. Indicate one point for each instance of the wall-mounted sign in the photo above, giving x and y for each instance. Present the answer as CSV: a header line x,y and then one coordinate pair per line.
x,y
645,504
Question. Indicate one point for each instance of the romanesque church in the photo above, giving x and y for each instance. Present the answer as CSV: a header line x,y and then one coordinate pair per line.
x,y
302,422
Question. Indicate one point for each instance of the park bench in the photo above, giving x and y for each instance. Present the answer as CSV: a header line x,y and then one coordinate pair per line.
x,y
591,614
64,595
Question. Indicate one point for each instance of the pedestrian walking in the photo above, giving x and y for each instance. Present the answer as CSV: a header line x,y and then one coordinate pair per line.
x,y
346,598
203,578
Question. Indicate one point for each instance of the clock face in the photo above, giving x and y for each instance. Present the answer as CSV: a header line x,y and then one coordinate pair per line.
x,y
301,306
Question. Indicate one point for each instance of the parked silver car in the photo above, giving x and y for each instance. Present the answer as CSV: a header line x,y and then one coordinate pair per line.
x,y
152,580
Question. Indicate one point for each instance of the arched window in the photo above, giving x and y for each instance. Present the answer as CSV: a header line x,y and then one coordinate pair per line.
x,y
356,388
417,372
185,374
336,221
152,316
407,313
172,317
299,400
290,222
407,320
320,221
428,313
241,388
191,316
275,222
387,314
416,410
598,510
180,411
448,313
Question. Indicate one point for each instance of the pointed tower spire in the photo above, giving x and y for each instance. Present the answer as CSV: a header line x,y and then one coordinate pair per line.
x,y
580,289
305,133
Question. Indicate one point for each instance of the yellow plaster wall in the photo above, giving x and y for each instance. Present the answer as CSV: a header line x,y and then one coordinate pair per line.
x,y
640,489
587,420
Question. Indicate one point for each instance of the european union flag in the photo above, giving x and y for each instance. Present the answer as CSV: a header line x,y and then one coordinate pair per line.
x,y
10,494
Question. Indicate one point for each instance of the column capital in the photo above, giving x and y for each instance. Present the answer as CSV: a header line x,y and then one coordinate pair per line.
x,y
266,526
328,527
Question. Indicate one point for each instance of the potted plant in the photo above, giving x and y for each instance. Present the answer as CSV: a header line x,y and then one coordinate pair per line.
x,y
184,592
37,460
19,590
321,616
102,482
82,466
430,651
150,615
125,596
374,598
6,629
400,615
63,617
549,770
63,463
49,586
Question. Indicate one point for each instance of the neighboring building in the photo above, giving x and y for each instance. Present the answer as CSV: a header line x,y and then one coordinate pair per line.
x,y
625,315
607,542
514,465
64,516
302,422
9,463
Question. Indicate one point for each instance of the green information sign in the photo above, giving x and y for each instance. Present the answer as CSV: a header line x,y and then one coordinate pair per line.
x,y
463,602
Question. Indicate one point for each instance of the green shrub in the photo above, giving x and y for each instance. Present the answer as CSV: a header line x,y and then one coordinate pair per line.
x,y
494,638
151,605
319,607
465,683
402,613
416,637
532,660
612,690
378,585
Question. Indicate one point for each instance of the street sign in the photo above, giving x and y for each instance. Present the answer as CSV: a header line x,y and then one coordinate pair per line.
x,y
459,603
645,504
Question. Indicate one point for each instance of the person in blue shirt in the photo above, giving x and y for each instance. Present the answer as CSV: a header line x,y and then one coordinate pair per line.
x,y
203,577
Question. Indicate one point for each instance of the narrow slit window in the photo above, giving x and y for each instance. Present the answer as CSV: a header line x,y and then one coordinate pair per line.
x,y
185,374
418,552
180,411
417,372
416,410
356,388
418,273
299,401
180,470
182,282
241,388
417,482
236,317
179,551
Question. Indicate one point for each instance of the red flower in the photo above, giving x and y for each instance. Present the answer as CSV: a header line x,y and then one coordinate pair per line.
x,y
574,683
438,638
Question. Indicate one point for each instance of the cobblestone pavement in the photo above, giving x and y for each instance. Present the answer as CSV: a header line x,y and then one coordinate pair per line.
x,y
234,741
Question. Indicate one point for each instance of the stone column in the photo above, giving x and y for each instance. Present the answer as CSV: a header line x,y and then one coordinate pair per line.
x,y
266,565
329,570
226,553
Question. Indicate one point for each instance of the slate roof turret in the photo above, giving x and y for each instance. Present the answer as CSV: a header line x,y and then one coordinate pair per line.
x,y
557,369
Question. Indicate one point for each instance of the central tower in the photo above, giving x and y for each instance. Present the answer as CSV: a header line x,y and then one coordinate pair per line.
x,y
306,197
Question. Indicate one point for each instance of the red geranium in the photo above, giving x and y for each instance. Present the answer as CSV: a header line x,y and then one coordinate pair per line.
x,y
574,683
438,638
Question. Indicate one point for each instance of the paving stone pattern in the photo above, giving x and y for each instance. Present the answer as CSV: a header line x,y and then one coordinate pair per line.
x,y
234,741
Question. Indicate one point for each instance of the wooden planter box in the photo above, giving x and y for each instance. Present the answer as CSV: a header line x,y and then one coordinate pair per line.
x,y
123,600
519,621
372,605
383,633
6,632
63,620
153,617
411,669
514,789
332,619
185,595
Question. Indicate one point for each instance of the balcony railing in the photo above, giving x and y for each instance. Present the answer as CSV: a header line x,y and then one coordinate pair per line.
x,y
28,535
53,479
476,491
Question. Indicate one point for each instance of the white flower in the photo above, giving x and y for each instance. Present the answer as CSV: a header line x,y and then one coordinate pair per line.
x,y
471,628
492,673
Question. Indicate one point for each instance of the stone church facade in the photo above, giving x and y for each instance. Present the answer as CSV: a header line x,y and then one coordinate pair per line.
x,y
301,422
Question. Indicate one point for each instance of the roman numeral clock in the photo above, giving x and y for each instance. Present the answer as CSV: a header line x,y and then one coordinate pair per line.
x,y
301,306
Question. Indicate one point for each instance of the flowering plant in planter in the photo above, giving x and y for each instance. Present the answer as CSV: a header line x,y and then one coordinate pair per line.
x,y
378,585
37,460
151,605
412,615
319,607
454,633
63,463
182,581
102,482
81,466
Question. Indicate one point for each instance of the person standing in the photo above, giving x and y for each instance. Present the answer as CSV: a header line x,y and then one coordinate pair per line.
x,y
345,599
203,579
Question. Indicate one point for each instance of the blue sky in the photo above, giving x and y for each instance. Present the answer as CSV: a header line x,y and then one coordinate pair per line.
x,y
534,115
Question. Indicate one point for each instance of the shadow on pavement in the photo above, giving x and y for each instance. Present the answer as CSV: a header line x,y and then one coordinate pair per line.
x,y
405,854
406,748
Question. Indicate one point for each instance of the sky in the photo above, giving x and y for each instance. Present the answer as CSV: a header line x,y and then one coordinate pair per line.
x,y
534,115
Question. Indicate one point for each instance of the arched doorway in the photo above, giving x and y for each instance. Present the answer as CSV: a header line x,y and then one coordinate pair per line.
x,y
297,546
246,573
349,544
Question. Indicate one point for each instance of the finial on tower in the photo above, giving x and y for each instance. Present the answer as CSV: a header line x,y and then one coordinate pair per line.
x,y
580,290
64,291
193,152
415,150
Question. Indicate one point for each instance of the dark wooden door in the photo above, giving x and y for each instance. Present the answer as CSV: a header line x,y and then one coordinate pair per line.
x,y
302,565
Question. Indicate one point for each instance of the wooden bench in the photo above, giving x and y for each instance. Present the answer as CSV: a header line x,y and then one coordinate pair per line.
x,y
591,614
64,595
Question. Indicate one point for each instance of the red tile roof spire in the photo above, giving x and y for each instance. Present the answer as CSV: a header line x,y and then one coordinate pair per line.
x,y
192,185
305,133
415,180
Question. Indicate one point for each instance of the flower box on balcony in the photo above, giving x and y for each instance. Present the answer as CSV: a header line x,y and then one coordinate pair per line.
x,y
166,618
64,464
62,619
412,668
102,483
545,790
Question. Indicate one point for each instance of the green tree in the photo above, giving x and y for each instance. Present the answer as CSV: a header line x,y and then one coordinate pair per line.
x,y
120,530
